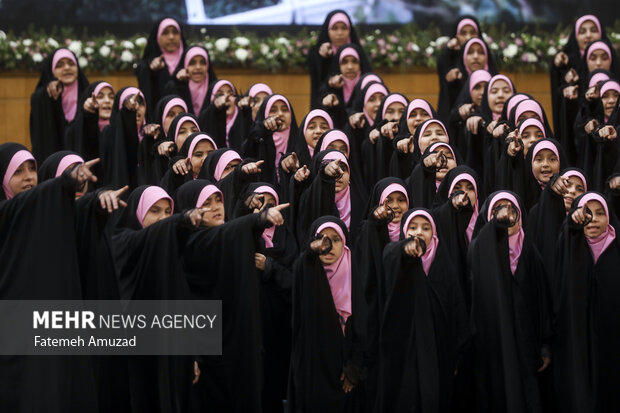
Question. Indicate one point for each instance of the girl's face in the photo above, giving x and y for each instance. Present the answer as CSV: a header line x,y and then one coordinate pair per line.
x,y
610,100
342,183
451,164
201,150
280,110
24,178
575,189
512,214
477,92
170,39
417,117
372,104
141,112
105,100
530,135
197,69
172,113
158,211
229,168
498,95
66,71
339,34
599,223
599,59
545,164
226,90
467,32
350,67
186,129
527,115
337,246
214,214
420,227
433,133
256,102
398,202
475,58
268,200
588,33
340,146
466,186
314,130
394,111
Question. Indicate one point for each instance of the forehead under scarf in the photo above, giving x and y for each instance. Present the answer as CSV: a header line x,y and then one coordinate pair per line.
x,y
172,103
193,52
18,158
129,91
318,113
206,192
528,105
217,87
419,104
393,98
468,46
149,197
181,121
478,76
531,122
226,158
332,136
598,45
259,88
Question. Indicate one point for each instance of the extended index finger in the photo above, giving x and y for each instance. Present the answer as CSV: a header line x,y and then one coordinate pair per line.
x,y
282,206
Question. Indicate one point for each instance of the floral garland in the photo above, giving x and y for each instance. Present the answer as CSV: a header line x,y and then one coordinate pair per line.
x,y
406,49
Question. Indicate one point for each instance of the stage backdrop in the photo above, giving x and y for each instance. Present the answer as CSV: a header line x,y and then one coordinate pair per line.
x,y
20,13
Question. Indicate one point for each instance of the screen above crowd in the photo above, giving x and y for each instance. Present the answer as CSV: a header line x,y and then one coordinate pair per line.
x,y
15,13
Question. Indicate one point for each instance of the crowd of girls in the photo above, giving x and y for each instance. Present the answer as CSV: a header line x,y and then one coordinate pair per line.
x,y
372,255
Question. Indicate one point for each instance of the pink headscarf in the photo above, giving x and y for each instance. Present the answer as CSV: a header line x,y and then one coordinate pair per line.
x,y
540,145
258,88
472,221
431,250
205,193
69,92
607,86
332,136
466,22
230,120
393,227
599,244
490,84
433,147
151,195
192,146
393,98
349,85
598,45
372,89
181,122
280,138
528,105
102,85
370,78
469,44
342,198
598,77
172,103
19,158
532,122
172,59
425,125
339,276
66,162
419,104
514,101
478,76
515,241
197,90
130,91
268,232
582,20
579,175
339,18
226,158
317,113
